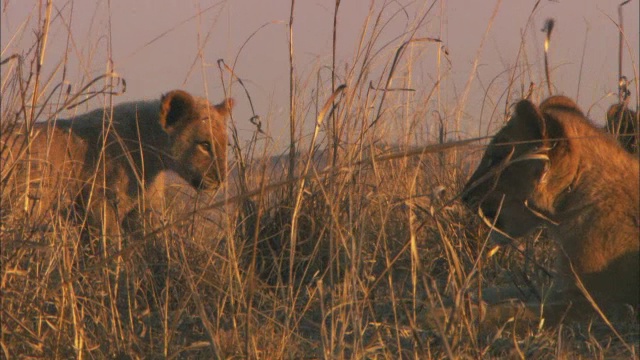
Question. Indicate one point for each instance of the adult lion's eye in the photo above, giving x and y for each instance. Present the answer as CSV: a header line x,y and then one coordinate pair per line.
x,y
205,145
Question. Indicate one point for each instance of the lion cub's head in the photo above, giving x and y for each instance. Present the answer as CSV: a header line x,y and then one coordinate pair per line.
x,y
198,137
514,185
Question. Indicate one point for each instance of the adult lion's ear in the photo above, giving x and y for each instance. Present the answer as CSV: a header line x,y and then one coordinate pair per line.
x,y
224,108
176,107
528,117
553,109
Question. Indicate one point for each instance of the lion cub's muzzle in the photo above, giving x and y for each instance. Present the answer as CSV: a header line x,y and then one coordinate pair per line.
x,y
204,184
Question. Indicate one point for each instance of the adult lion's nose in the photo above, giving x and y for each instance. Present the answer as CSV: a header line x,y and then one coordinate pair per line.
x,y
466,197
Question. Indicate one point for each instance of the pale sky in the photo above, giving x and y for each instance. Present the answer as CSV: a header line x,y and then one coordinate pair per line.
x,y
159,45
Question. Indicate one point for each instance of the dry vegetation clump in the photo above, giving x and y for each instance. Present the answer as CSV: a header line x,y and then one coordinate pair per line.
x,y
623,123
342,259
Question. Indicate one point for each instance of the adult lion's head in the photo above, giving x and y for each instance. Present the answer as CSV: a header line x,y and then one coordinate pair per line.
x,y
525,168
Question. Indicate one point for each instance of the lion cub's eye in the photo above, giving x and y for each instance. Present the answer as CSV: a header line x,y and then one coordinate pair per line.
x,y
205,145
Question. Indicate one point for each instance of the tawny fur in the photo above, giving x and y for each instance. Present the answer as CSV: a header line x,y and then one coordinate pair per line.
x,y
587,193
108,162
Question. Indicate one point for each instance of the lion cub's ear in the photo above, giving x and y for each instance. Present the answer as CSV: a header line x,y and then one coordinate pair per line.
x,y
176,106
528,118
224,108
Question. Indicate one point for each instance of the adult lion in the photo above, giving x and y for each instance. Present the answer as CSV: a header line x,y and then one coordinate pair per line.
x,y
105,162
549,166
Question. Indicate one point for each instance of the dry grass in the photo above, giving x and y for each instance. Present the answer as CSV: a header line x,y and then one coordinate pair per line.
x,y
340,259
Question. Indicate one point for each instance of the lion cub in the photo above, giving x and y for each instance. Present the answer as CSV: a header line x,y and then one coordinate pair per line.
x,y
103,163
549,166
